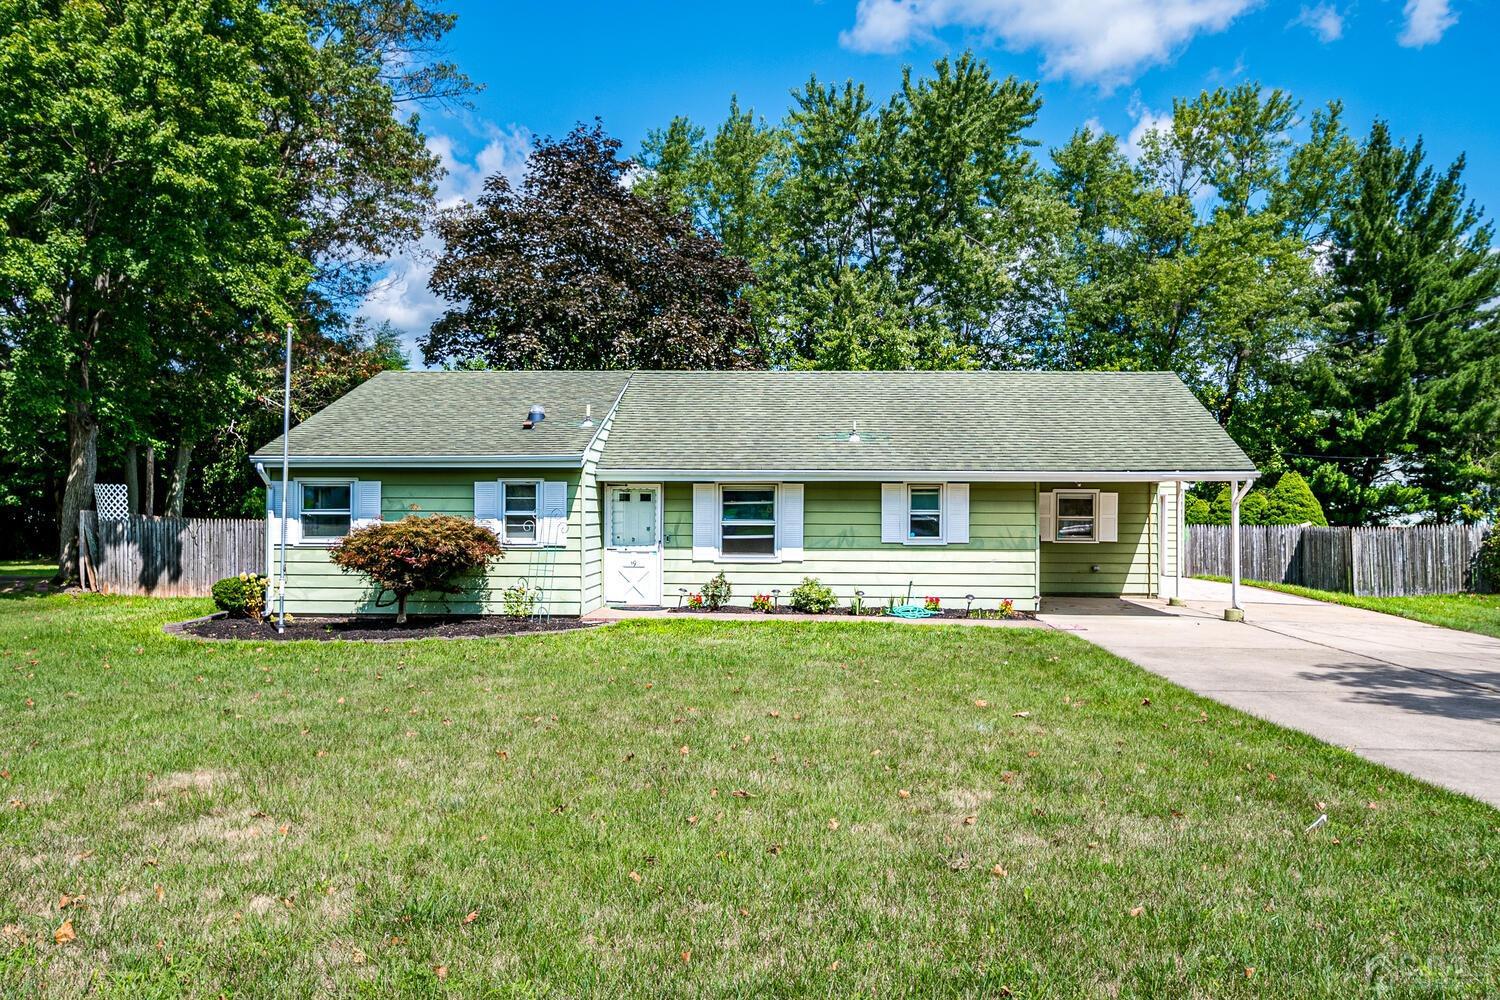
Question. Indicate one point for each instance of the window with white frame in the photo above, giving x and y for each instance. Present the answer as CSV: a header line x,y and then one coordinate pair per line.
x,y
519,511
924,513
747,521
326,510
1077,516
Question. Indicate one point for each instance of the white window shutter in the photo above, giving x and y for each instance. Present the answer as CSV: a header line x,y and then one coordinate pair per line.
x,y
956,509
789,523
364,503
1109,517
893,526
554,520
705,522
487,504
1046,516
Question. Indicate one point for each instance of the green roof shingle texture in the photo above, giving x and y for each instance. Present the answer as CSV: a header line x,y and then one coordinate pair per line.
x,y
983,422
452,414
761,422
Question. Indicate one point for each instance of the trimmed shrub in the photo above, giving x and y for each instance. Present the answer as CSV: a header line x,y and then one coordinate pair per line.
x,y
242,596
811,598
1487,563
416,554
716,592
1195,510
1293,502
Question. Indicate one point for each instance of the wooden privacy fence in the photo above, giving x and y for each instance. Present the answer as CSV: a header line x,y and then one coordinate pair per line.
x,y
167,556
1372,562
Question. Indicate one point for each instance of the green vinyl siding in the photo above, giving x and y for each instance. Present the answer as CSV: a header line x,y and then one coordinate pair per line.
x,y
842,546
1126,566
316,586
591,515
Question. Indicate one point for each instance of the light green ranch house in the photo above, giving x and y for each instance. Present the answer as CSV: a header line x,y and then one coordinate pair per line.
x,y
634,488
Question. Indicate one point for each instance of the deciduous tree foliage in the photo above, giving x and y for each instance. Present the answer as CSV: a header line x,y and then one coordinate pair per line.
x,y
575,270
416,554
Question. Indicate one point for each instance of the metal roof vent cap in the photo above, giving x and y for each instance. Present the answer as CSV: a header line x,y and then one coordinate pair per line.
x,y
854,433
537,413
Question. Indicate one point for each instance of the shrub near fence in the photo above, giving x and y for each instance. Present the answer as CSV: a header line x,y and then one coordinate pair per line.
x,y
1370,562
167,556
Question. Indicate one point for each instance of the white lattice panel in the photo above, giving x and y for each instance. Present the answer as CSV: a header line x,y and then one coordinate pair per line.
x,y
112,501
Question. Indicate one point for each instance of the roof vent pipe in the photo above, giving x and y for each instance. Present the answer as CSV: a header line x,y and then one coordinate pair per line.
x,y
537,413
588,415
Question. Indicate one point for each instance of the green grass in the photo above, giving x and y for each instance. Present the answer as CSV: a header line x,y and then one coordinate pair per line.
x,y
1466,612
342,820
27,567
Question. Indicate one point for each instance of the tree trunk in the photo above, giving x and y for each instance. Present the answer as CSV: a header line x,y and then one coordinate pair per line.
x,y
83,439
132,479
401,609
148,485
177,488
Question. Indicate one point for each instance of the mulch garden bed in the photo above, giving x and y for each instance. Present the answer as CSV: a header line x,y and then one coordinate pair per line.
x,y
377,628
954,613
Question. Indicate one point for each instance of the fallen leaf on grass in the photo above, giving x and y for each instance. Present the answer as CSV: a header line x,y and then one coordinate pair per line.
x,y
740,793
503,754
687,956
774,713
970,820
683,750
356,956
635,876
471,916
441,971
981,703
1136,911
65,933
833,824
692,821
161,894
999,871
1020,715
903,793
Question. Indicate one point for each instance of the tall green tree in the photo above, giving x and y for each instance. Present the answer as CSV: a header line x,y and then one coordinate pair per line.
x,y
1403,413
143,203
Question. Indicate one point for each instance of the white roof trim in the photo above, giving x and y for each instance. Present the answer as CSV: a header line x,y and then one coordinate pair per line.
x,y
919,475
430,461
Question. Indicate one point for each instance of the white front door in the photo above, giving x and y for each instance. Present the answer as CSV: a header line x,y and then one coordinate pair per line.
x,y
632,545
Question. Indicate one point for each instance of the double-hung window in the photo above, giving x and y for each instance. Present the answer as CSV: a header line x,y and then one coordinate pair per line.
x,y
747,521
519,511
1077,516
924,513
325,510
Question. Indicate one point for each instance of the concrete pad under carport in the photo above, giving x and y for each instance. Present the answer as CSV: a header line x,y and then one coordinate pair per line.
x,y
1422,699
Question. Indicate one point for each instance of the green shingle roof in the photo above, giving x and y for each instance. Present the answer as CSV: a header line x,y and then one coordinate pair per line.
x,y
986,422
785,422
456,414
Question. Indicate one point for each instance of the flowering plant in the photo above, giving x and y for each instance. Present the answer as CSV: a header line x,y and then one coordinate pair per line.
x,y
761,602
695,601
1007,608
932,603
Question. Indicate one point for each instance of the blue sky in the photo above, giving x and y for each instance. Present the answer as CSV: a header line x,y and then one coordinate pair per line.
x,y
1426,66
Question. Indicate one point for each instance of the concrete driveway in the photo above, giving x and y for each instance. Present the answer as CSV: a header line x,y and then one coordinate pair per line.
x,y
1419,698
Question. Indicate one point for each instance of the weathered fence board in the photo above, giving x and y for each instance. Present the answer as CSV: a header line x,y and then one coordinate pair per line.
x,y
1374,562
168,556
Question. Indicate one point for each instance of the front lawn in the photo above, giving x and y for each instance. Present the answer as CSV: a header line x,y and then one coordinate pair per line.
x,y
1466,612
696,808
28,568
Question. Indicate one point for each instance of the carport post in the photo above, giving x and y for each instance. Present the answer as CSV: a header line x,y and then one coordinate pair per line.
x,y
1178,545
1237,492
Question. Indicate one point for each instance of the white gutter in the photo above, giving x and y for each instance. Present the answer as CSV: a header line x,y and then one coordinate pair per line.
x,y
436,461
919,475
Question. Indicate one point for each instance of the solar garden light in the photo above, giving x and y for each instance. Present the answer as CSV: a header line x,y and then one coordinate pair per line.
x,y
681,593
968,603
859,602
775,598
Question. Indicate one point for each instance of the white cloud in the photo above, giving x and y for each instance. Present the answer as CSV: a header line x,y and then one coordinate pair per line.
x,y
1104,41
1426,20
402,296
1146,121
1324,20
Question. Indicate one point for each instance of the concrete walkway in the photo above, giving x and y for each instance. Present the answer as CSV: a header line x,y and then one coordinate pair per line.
x,y
1423,699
